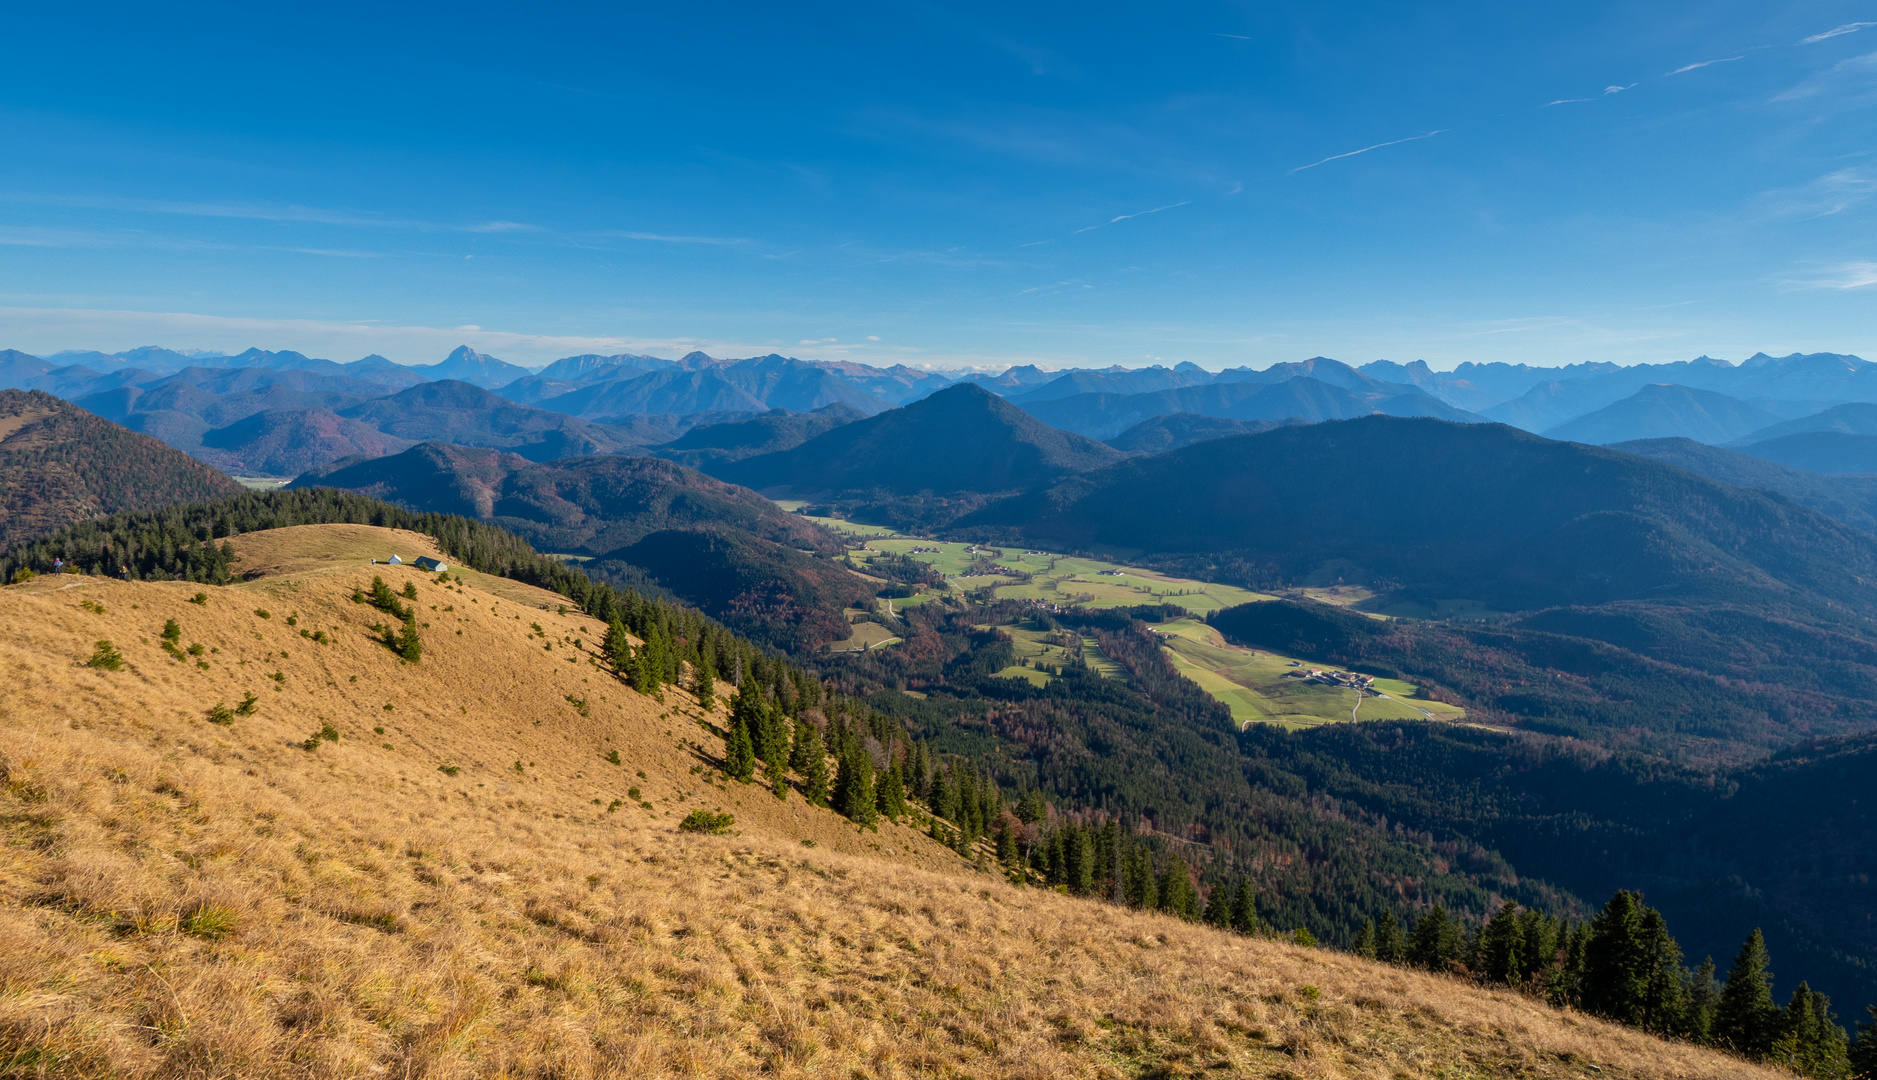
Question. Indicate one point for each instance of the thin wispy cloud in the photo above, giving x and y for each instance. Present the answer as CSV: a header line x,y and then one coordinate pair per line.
x,y
499,227
1565,101
1702,64
1847,28
1832,193
1364,150
1608,90
1853,73
1138,213
288,212
1248,37
1036,243
663,238
1856,274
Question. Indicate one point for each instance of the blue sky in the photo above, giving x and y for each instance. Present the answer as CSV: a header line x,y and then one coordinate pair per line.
x,y
946,185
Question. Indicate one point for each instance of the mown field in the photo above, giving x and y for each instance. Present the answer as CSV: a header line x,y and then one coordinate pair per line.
x,y
1062,579
1260,687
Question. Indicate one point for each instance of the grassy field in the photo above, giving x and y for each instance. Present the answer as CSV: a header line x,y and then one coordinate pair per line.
x,y
465,880
1260,687
1063,579
839,525
866,635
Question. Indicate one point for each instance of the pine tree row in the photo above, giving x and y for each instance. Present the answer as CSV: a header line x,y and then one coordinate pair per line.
x,y
1625,966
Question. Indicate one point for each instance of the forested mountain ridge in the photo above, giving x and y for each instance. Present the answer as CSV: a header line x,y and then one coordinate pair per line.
x,y
646,522
1850,499
960,442
1426,509
60,464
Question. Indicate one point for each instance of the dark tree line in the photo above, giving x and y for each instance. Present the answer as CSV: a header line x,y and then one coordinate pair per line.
x,y
1625,966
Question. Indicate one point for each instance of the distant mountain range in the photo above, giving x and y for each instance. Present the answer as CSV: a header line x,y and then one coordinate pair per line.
x,y
631,403
60,464
1667,411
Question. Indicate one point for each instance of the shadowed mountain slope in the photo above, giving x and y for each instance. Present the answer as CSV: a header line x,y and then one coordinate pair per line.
x,y
288,442
1856,418
1850,499
60,464
1247,398
586,505
1171,432
1828,452
1663,411
649,523
469,415
712,446
961,439
1484,512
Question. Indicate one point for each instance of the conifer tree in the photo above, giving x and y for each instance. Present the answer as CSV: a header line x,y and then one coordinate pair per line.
x,y
892,794
704,682
1437,940
1140,889
1006,843
1539,943
1502,946
1704,993
1863,1055
1365,940
409,649
1616,967
1245,908
1810,1042
1664,1005
1745,1018
648,672
1390,947
618,651
918,772
814,763
1177,895
1219,906
739,752
1032,808
853,786
944,797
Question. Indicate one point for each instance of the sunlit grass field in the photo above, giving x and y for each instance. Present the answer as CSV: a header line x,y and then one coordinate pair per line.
x,y
1256,685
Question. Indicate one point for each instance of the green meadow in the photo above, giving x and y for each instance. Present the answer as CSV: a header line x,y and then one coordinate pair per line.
x,y
1262,688
1062,579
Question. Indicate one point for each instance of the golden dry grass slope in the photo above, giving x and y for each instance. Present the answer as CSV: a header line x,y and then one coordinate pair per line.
x,y
181,898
